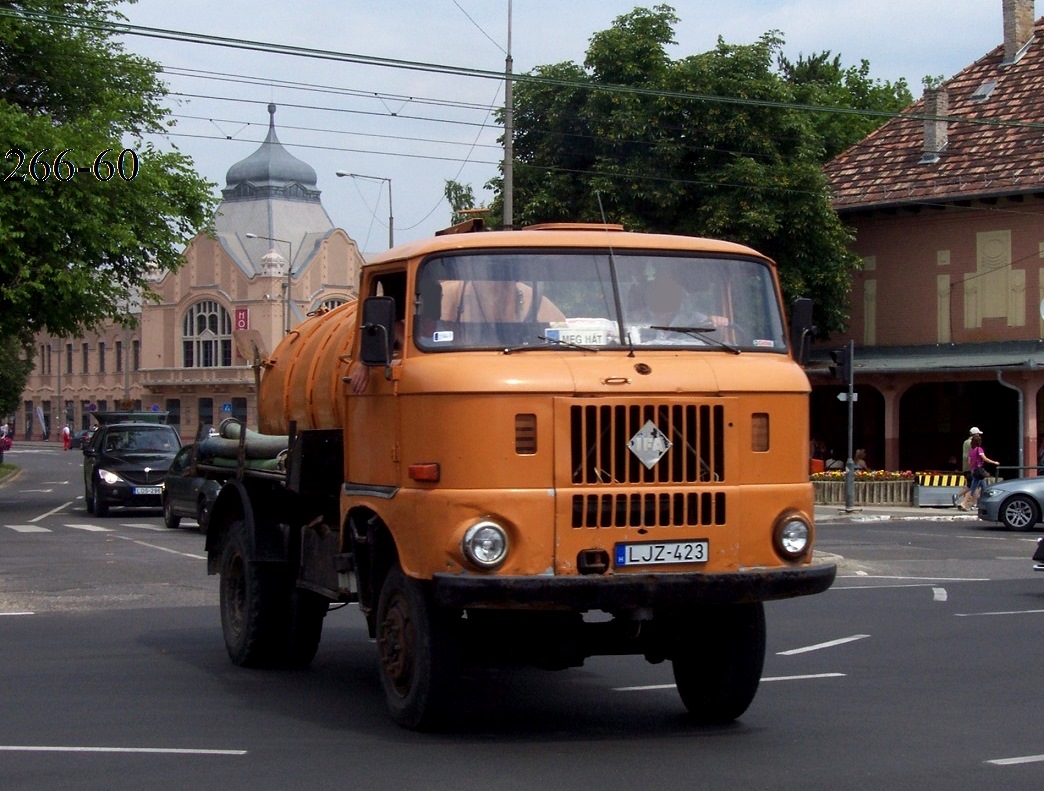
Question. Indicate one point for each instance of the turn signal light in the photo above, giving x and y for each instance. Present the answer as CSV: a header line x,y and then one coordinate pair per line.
x,y
427,472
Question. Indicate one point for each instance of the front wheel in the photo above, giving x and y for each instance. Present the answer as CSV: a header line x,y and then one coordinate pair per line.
x,y
1019,513
170,519
717,666
416,652
100,507
249,610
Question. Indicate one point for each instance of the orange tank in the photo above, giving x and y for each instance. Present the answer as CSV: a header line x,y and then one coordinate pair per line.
x,y
303,377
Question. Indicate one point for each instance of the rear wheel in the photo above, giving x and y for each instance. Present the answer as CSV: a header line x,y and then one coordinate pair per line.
x,y
1019,513
170,519
265,619
416,651
717,673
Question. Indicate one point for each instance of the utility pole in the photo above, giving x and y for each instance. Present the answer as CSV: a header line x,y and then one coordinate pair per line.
x,y
509,133
843,369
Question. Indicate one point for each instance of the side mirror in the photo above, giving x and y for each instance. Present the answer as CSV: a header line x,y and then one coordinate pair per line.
x,y
378,331
801,329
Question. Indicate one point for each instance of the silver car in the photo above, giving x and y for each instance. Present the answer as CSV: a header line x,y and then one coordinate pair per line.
x,y
1017,504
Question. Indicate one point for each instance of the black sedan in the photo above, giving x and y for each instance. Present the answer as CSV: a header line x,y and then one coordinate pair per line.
x,y
125,463
186,494
1017,504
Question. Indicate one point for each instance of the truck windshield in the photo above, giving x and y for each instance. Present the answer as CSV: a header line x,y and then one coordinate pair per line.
x,y
548,299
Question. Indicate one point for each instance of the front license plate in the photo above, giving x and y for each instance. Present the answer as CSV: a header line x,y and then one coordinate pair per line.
x,y
148,490
659,553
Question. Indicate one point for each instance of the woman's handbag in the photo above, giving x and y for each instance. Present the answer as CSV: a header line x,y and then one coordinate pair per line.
x,y
979,472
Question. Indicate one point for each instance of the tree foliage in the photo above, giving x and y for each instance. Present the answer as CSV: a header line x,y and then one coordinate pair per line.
x,y
715,144
460,197
15,366
78,247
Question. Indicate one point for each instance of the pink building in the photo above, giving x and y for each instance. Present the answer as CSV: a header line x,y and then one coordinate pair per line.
x,y
947,314
275,256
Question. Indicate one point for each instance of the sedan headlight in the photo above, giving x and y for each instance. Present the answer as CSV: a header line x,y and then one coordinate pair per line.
x,y
485,544
110,478
994,492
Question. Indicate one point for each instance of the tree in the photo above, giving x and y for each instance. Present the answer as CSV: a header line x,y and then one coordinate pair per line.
x,y
15,365
88,208
715,144
460,197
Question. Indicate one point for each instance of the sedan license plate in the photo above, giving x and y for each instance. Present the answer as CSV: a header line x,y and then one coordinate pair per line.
x,y
659,553
148,490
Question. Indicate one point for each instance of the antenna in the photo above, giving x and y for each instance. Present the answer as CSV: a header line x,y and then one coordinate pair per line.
x,y
615,279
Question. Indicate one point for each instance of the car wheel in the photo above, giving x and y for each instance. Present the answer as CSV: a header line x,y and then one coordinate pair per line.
x,y
101,508
202,514
1019,513
170,519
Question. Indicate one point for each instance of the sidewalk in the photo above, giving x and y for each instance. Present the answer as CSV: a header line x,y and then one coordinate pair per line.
x,y
836,514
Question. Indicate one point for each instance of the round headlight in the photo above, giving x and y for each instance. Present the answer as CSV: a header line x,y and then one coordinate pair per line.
x,y
793,538
485,544
110,478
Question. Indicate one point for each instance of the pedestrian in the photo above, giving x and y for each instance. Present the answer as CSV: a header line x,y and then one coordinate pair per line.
x,y
66,437
977,460
965,448
859,460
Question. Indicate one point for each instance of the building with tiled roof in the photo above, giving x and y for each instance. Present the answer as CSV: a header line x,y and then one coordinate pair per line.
x,y
947,314
274,257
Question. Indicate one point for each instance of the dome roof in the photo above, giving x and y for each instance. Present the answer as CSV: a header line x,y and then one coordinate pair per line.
x,y
270,167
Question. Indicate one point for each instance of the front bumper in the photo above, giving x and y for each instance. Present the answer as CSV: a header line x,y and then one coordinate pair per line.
x,y
122,494
630,591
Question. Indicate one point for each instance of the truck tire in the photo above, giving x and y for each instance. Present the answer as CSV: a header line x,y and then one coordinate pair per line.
x,y
416,653
717,674
250,609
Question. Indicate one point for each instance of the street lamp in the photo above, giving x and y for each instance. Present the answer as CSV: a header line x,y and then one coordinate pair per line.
x,y
289,272
391,218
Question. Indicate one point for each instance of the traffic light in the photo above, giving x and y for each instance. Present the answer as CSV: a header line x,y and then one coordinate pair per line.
x,y
842,367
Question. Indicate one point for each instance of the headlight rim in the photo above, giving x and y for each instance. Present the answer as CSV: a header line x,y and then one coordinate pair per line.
x,y
778,538
467,549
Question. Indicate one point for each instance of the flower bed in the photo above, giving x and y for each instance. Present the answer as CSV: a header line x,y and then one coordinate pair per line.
x,y
872,487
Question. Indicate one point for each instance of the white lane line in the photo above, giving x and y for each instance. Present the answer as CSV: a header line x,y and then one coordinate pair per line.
x,y
650,687
919,579
28,528
88,527
17,613
999,612
939,594
52,512
1025,759
819,646
163,549
145,526
32,748
35,491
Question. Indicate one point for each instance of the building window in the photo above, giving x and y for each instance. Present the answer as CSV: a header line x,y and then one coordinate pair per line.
x,y
119,356
205,406
68,358
101,357
86,350
239,409
136,355
173,408
330,304
206,336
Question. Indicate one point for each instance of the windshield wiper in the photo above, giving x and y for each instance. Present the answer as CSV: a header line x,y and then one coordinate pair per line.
x,y
696,332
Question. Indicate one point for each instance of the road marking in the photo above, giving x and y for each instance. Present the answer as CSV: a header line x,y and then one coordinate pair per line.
x,y
52,512
28,528
89,528
999,612
925,579
17,613
35,491
163,549
818,646
1025,759
30,748
939,594
651,687
145,526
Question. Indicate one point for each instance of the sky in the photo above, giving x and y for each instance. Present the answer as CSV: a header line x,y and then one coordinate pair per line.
x,y
405,132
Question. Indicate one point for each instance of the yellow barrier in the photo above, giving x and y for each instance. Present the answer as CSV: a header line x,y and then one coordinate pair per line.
x,y
941,479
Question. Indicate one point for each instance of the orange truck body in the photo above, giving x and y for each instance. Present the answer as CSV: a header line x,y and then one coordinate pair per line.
x,y
543,440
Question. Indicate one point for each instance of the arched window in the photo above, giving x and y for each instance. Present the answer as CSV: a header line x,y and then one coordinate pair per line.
x,y
206,336
330,304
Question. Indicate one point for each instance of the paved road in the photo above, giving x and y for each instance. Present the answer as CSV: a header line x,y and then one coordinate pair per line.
x,y
917,670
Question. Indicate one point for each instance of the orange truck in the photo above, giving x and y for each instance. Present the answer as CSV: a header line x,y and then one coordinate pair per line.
x,y
527,447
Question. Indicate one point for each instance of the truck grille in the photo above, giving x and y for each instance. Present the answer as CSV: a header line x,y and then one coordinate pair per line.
x,y
599,434
649,509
